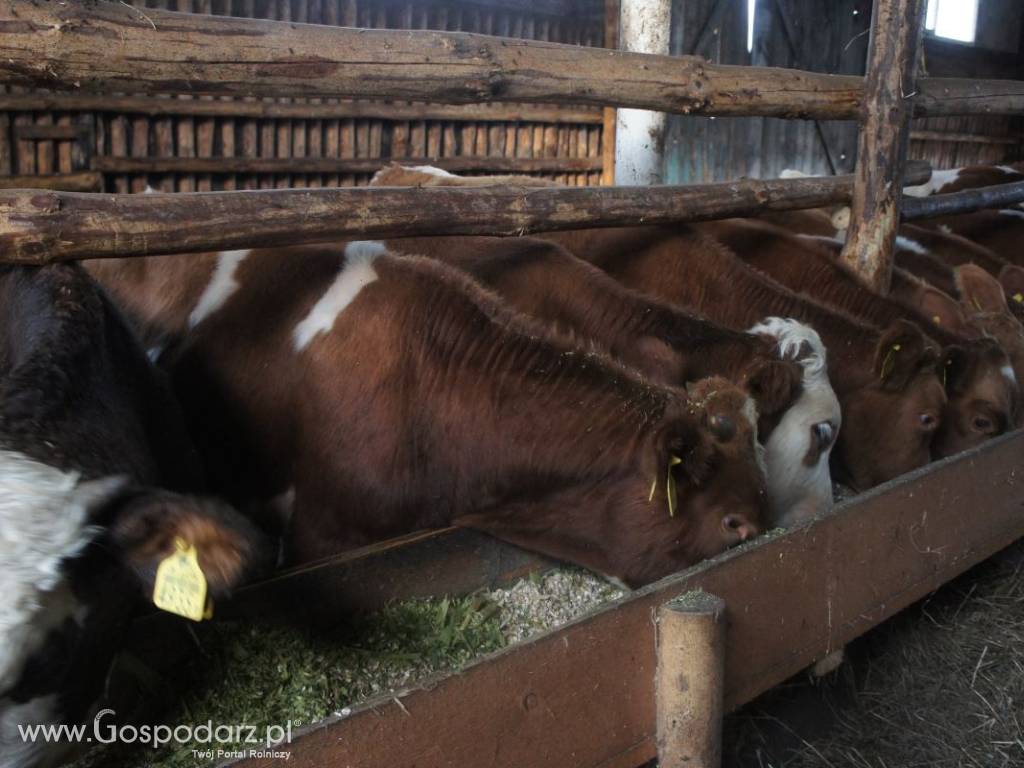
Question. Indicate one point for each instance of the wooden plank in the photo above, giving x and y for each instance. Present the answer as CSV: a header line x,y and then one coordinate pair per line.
x,y
966,138
337,165
82,181
166,52
39,227
583,695
47,132
882,144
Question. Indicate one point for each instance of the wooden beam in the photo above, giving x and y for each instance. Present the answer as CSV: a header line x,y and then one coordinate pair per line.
x,y
882,145
340,165
82,181
997,196
965,138
38,227
583,695
156,106
67,47
47,132
644,27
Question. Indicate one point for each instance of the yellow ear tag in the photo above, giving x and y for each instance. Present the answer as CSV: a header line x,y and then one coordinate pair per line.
x,y
936,319
888,362
670,485
180,586
1019,298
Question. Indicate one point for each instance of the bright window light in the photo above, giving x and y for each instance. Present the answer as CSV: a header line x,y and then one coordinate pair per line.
x,y
751,9
953,19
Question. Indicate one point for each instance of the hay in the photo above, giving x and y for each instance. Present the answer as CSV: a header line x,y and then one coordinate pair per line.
x,y
263,675
939,686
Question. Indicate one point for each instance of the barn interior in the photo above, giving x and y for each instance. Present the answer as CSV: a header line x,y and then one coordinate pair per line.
x,y
133,143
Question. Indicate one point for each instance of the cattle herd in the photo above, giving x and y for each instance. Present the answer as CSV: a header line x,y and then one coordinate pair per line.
x,y
630,400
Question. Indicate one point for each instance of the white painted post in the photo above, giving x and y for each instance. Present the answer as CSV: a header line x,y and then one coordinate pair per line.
x,y
644,27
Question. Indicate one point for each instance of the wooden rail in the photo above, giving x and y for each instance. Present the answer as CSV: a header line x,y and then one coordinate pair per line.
x,y
583,695
154,106
68,46
38,226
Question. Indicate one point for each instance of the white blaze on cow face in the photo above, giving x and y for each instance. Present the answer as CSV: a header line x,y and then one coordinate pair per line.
x,y
356,274
44,520
938,180
799,490
220,288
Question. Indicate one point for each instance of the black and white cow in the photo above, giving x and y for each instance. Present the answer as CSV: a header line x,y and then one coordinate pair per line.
x,y
93,465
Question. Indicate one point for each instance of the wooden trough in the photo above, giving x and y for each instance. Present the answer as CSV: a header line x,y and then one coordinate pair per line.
x,y
653,671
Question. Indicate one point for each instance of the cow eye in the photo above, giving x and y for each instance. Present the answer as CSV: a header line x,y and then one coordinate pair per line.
x,y
982,424
928,421
824,433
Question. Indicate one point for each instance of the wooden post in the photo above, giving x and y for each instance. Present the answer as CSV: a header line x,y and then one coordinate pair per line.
x,y
690,681
644,27
609,114
882,146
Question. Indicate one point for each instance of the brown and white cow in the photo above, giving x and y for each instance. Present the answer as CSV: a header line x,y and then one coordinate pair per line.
x,y
888,382
968,177
381,394
396,175
90,438
983,392
666,343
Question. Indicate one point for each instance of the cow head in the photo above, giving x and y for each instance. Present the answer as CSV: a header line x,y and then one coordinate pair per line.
x,y
980,386
983,300
77,560
798,448
891,416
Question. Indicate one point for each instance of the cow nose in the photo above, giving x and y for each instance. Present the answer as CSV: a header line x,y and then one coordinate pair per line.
x,y
739,526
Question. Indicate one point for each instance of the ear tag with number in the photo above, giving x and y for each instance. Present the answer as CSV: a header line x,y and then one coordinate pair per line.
x,y
887,364
1019,297
180,586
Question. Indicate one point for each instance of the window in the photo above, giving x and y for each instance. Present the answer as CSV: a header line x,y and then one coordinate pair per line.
x,y
751,10
953,19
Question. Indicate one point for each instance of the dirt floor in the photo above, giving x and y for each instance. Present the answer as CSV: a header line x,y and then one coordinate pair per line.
x,y
939,686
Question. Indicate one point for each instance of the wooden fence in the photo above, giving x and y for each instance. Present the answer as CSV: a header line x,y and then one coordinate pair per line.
x,y
584,694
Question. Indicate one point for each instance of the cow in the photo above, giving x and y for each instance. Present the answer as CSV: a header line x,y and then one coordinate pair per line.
x,y
982,389
97,483
943,182
396,175
380,393
888,381
1000,231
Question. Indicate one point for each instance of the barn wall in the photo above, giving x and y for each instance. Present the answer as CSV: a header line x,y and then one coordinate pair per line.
x,y
831,38
173,152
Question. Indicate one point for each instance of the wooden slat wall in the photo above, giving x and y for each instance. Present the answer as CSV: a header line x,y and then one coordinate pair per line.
x,y
110,134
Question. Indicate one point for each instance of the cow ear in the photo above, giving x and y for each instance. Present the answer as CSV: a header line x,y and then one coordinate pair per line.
x,y
902,352
1011,277
979,291
775,384
943,310
147,526
955,368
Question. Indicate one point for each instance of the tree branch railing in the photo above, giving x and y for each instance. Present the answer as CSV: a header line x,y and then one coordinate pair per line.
x,y
112,47
38,226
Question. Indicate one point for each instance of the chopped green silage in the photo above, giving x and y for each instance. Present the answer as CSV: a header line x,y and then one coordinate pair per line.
x,y
263,675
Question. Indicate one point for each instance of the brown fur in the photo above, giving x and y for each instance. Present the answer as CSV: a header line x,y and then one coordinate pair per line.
x,y
431,403
669,346
811,266
881,408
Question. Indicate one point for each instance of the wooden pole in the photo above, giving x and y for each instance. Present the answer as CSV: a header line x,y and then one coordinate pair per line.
x,y
644,27
882,145
38,227
82,181
611,40
690,681
997,196
66,46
